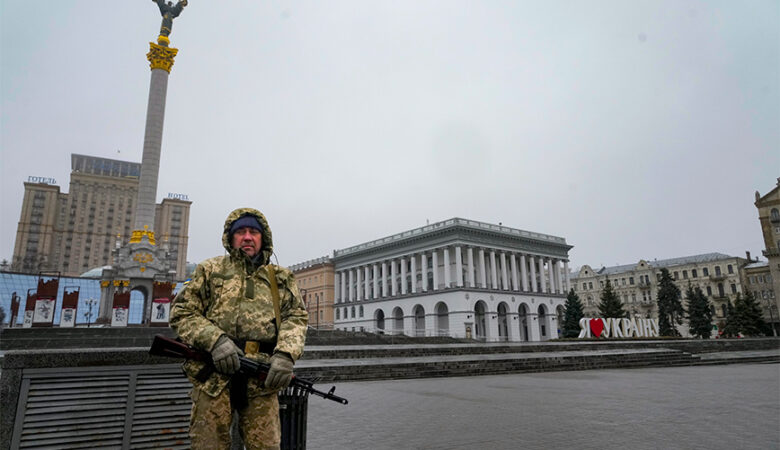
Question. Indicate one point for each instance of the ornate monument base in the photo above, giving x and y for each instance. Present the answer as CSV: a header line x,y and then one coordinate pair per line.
x,y
138,266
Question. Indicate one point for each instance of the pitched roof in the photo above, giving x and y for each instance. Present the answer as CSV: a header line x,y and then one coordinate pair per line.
x,y
694,259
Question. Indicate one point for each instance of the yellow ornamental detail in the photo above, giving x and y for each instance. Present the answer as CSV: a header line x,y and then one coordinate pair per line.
x,y
143,258
139,234
161,57
105,283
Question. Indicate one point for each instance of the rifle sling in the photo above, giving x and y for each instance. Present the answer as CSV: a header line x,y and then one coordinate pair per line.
x,y
275,294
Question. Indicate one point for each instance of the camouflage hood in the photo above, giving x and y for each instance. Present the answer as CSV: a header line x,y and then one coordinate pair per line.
x,y
267,244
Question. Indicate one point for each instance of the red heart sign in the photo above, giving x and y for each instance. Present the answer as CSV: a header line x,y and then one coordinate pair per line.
x,y
596,327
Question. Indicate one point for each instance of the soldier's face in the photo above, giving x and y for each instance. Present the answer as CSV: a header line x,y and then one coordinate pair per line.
x,y
248,240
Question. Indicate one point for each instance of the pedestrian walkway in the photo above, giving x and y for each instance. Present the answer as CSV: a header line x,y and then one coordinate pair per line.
x,y
692,407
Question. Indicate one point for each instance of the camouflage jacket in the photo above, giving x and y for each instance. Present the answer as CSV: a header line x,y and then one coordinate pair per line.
x,y
232,295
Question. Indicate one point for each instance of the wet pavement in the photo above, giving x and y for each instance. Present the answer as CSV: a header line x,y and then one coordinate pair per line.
x,y
693,407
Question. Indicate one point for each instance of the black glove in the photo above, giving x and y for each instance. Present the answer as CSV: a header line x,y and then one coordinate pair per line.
x,y
225,356
281,371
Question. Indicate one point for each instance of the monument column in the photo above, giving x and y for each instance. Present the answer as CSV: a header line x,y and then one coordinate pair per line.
x,y
141,261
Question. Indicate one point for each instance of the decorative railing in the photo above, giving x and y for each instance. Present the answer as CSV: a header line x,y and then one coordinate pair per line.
x,y
451,223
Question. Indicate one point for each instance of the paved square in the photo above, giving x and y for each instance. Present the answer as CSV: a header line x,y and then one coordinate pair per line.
x,y
707,407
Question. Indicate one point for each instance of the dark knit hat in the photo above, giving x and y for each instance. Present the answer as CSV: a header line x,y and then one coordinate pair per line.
x,y
246,221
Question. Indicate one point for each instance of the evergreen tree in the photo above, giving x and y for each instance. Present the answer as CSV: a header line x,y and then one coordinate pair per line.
x,y
732,326
670,309
699,313
610,305
751,321
572,313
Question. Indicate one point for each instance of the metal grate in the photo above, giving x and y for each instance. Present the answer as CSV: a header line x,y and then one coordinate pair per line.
x,y
122,407
96,408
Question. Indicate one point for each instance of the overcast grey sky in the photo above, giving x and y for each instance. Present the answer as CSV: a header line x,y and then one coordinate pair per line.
x,y
634,129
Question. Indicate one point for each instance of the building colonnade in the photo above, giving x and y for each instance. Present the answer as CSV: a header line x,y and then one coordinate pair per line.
x,y
454,266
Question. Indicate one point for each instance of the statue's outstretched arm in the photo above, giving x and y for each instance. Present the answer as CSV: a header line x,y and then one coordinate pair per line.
x,y
161,5
179,6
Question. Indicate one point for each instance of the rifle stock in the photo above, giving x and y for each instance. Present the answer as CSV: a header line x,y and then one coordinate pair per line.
x,y
163,346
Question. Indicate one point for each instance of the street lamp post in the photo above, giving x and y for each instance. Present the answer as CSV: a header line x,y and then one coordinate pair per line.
x,y
771,308
305,302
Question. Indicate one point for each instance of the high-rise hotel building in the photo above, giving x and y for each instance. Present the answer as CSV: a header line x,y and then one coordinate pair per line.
x,y
74,232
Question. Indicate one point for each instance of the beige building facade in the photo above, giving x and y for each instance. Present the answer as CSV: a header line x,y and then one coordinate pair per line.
x,y
315,281
768,207
74,232
636,285
757,278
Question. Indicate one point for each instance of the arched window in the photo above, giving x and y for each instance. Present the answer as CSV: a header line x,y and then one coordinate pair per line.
x,y
353,312
360,311
774,215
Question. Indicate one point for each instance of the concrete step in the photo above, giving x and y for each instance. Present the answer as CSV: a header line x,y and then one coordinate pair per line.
x,y
485,364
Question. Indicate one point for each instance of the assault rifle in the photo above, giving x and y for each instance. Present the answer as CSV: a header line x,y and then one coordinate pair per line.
x,y
163,346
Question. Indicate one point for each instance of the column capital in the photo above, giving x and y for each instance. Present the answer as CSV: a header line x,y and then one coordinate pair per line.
x,y
161,57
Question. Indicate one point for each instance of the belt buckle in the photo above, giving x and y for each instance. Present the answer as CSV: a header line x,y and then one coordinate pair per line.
x,y
251,347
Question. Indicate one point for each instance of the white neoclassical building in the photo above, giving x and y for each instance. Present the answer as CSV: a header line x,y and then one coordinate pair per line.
x,y
458,278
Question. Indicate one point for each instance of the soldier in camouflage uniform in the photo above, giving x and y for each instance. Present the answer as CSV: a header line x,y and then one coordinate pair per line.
x,y
227,309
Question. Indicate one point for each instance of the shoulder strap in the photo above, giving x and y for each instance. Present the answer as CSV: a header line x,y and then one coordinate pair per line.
x,y
275,294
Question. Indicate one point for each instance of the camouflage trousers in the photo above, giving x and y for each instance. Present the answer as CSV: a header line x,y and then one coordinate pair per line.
x,y
211,419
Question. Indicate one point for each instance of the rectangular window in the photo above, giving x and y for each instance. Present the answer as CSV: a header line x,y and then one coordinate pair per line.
x,y
693,273
631,281
590,285
733,288
717,270
685,274
676,275
705,271
623,281
709,291
730,268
